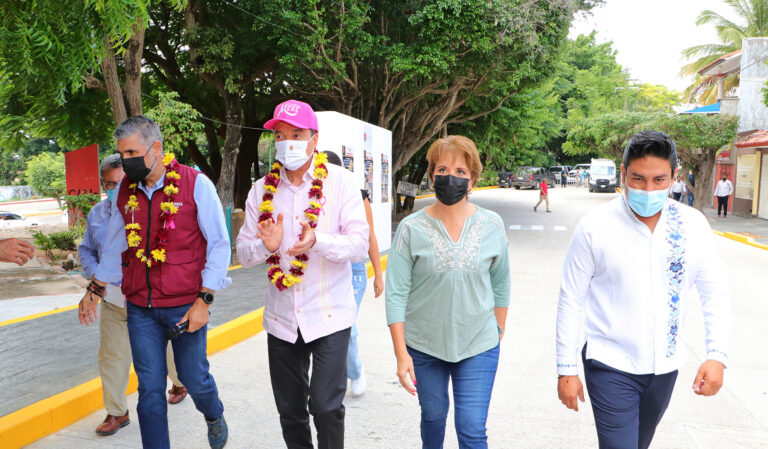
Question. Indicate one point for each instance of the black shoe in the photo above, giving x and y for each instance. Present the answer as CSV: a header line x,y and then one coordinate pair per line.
x,y
217,433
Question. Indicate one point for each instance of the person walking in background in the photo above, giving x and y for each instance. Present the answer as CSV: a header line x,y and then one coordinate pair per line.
x,y
564,178
114,346
690,186
357,384
632,268
447,293
543,195
723,191
678,189
310,305
167,242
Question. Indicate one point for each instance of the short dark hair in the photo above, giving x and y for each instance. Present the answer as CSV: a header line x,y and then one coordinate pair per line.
x,y
651,143
333,158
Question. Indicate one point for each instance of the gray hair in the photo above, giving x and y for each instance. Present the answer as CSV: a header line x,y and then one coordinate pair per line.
x,y
150,133
109,163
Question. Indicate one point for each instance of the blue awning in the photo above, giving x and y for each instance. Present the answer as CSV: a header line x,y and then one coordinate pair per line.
x,y
713,108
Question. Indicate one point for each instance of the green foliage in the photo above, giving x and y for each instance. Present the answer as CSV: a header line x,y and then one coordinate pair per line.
x,y
752,22
180,123
82,204
47,175
60,241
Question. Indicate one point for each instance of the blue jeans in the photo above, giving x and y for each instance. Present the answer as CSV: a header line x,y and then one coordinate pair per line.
x,y
472,381
359,282
690,198
146,327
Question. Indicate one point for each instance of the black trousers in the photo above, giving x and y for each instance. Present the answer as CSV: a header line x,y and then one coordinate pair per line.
x,y
296,396
722,203
676,196
627,407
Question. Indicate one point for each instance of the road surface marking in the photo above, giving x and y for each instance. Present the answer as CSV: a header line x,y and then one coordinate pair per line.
x,y
537,228
515,227
560,228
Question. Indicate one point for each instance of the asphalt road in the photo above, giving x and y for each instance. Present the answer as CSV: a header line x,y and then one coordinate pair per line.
x,y
525,412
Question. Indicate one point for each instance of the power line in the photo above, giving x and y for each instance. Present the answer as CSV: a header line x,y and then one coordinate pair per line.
x,y
264,20
213,119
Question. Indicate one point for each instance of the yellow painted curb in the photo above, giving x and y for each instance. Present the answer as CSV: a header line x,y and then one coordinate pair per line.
x,y
43,214
743,239
50,415
37,315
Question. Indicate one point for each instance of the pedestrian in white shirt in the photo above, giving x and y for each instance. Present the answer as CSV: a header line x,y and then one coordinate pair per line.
x,y
628,279
678,189
723,191
310,305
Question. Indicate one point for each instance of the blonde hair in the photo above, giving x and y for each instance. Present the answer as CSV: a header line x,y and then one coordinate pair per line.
x,y
458,145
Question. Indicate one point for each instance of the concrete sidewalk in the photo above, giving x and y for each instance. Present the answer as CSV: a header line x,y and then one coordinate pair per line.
x,y
756,228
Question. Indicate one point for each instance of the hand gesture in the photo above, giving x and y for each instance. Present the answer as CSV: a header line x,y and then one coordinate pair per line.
x,y
404,370
307,241
569,389
709,379
271,234
16,251
88,309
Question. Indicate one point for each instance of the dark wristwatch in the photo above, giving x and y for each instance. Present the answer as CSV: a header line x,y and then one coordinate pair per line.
x,y
207,297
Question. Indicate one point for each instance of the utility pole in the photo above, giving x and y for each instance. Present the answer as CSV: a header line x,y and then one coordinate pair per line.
x,y
626,90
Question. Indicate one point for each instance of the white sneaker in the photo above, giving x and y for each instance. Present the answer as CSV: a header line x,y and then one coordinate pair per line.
x,y
357,386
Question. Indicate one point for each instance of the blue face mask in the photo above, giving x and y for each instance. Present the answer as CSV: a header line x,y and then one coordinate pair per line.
x,y
111,195
646,204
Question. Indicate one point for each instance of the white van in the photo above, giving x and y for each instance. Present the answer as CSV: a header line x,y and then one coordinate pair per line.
x,y
602,176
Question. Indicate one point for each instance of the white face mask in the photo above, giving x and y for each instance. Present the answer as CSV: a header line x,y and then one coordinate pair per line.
x,y
292,153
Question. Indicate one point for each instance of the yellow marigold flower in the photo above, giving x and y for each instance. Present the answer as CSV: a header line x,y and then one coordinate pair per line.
x,y
321,173
168,206
298,264
158,255
275,276
275,165
131,226
172,174
132,204
168,158
133,239
266,206
133,186
321,158
171,189
315,205
149,263
276,175
270,189
140,254
312,217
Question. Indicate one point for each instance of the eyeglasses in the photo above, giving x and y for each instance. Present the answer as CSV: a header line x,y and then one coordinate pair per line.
x,y
109,185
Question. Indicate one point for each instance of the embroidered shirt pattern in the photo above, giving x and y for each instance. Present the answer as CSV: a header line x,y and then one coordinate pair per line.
x,y
675,273
449,255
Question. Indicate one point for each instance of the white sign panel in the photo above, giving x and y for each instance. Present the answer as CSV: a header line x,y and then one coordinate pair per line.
x,y
365,150
407,189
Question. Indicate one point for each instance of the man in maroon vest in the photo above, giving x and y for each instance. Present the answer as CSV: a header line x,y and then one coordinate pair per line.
x,y
167,240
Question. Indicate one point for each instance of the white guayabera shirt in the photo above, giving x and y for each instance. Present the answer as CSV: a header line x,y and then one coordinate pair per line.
x,y
625,291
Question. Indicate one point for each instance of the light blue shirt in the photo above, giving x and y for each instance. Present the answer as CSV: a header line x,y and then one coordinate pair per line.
x,y
210,219
91,249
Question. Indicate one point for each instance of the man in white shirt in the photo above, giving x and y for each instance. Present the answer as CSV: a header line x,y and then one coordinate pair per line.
x,y
678,189
306,220
628,279
723,191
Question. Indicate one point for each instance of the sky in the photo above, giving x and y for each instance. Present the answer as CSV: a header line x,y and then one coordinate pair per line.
x,y
650,35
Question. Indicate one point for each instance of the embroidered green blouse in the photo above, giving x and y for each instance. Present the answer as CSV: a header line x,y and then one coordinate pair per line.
x,y
444,291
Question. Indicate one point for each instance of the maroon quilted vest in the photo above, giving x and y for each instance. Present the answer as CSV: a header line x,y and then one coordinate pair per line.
x,y
178,280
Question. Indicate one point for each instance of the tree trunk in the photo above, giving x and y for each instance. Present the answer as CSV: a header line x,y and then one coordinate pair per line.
x,y
702,173
214,153
132,59
226,184
246,159
112,83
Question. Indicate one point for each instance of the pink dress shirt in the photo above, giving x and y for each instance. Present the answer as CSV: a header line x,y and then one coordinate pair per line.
x,y
324,302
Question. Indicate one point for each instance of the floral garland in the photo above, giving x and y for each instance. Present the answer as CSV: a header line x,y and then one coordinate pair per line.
x,y
276,275
168,211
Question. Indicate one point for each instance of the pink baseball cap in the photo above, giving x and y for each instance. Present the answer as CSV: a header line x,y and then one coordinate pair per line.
x,y
296,113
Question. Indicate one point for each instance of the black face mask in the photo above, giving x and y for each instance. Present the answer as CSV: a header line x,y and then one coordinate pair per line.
x,y
450,189
724,178
135,169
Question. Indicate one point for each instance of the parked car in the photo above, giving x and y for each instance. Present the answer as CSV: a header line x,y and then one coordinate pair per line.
x,y
527,176
9,220
573,175
505,179
602,176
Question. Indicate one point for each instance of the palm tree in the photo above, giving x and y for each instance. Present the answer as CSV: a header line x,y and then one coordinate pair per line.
x,y
753,15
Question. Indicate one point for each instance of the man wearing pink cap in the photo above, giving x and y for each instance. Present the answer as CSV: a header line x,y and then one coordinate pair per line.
x,y
306,220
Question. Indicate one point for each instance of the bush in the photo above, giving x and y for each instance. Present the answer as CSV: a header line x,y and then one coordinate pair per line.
x,y
81,205
60,241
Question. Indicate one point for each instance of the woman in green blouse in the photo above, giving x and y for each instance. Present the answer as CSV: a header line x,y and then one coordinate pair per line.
x,y
447,293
